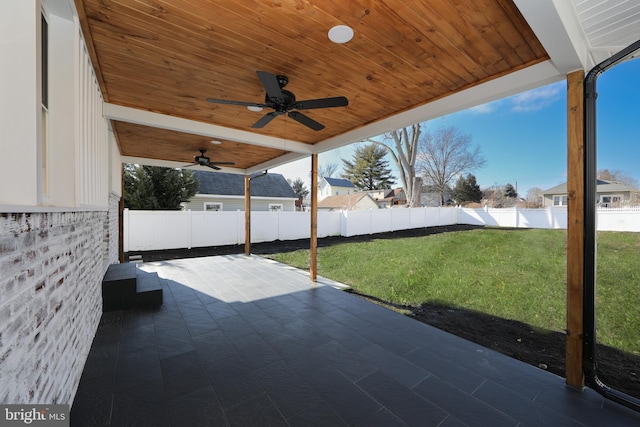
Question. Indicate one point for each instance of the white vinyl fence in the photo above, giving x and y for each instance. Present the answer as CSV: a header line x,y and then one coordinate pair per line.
x,y
156,230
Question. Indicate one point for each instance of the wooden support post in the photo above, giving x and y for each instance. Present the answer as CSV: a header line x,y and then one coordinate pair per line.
x,y
247,215
313,237
575,229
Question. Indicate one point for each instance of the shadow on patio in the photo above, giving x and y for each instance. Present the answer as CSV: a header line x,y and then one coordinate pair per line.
x,y
243,341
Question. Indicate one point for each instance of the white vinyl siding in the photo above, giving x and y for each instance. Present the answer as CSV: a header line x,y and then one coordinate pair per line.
x,y
610,200
560,200
236,203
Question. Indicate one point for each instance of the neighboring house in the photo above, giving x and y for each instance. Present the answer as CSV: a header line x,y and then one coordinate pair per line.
x,y
431,198
335,187
350,202
392,197
225,192
610,194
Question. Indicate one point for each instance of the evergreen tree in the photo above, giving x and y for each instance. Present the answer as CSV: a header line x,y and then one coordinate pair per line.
x,y
509,191
467,190
368,170
298,187
157,188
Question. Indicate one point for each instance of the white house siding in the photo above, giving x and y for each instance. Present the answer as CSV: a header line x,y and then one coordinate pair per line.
x,y
237,203
326,190
58,215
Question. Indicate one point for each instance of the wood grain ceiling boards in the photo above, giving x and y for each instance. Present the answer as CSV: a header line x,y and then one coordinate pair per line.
x,y
163,144
167,56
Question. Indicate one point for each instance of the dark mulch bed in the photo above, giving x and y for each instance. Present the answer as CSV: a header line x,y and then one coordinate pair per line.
x,y
541,348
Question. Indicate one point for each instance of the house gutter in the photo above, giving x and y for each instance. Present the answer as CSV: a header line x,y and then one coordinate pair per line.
x,y
590,361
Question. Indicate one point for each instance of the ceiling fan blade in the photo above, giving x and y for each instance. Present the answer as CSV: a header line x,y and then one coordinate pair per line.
x,y
306,120
265,119
310,104
271,85
188,166
223,163
214,167
228,102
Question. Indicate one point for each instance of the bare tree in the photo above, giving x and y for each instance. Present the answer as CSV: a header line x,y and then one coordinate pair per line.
x,y
402,145
327,170
444,155
534,197
617,175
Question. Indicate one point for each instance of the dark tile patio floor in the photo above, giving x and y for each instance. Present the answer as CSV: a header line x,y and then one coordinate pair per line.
x,y
242,341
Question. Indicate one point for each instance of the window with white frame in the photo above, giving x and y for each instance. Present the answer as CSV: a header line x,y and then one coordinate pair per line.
x,y
275,207
560,200
610,200
213,206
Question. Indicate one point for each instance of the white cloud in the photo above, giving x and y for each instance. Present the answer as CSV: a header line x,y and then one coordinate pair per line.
x,y
536,99
487,108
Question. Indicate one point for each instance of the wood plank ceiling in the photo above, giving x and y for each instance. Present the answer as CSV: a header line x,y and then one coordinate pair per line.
x,y
168,56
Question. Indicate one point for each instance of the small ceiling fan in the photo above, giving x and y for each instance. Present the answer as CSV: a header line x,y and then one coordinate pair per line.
x,y
284,102
203,160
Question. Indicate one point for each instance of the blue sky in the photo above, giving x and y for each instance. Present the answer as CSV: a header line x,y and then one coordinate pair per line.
x,y
523,137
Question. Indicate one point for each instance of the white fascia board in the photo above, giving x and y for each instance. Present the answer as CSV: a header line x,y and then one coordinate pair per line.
x,y
177,165
163,121
556,25
278,161
537,75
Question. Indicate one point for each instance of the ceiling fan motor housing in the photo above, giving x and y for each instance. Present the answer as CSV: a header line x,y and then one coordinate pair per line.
x,y
202,160
289,99
282,81
284,102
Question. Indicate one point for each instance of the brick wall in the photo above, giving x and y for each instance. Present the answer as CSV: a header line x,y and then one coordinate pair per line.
x,y
111,229
51,267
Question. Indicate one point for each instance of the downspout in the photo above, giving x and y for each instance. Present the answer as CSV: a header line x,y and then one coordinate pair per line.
x,y
590,361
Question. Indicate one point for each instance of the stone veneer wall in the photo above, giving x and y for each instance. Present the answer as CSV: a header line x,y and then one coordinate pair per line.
x,y
51,268
111,230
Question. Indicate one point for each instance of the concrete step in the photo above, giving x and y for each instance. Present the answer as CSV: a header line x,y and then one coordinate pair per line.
x,y
119,287
148,289
124,286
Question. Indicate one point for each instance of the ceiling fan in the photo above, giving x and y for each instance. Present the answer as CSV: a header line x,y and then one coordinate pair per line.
x,y
284,102
203,160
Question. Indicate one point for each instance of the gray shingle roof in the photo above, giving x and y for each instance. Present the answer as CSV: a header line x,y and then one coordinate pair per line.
x,y
339,182
602,186
231,184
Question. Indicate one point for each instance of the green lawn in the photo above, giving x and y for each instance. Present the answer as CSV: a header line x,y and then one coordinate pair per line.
x,y
514,274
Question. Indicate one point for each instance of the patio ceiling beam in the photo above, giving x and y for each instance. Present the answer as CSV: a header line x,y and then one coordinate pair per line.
x,y
163,121
558,29
279,161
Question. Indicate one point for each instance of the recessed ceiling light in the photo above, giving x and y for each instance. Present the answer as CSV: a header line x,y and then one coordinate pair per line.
x,y
254,108
216,142
340,34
